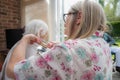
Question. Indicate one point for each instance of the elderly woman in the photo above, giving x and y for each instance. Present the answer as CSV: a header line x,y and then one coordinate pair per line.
x,y
36,27
84,56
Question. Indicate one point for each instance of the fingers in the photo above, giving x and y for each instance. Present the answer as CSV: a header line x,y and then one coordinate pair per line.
x,y
51,44
35,39
30,39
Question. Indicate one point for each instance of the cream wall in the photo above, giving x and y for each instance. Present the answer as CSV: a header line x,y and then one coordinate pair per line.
x,y
34,9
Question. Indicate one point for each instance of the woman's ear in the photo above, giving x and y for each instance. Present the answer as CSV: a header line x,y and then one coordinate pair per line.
x,y
78,18
45,36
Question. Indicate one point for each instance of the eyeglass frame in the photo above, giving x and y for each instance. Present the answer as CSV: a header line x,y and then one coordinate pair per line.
x,y
68,14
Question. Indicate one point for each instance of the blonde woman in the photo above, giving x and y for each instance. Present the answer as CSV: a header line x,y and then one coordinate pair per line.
x,y
84,56
36,27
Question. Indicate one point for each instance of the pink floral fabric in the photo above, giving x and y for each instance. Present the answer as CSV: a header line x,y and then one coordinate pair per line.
x,y
80,59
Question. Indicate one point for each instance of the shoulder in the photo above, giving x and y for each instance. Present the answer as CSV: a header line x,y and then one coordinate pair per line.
x,y
70,45
84,42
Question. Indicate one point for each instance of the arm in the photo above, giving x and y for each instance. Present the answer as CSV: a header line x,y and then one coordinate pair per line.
x,y
43,66
19,53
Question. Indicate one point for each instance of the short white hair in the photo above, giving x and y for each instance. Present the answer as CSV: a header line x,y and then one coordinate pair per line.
x,y
35,26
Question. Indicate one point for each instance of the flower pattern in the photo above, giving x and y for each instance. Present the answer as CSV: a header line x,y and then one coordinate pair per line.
x,y
99,76
88,75
41,63
80,59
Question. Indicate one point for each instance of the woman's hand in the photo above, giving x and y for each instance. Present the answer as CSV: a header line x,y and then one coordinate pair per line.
x,y
51,44
30,39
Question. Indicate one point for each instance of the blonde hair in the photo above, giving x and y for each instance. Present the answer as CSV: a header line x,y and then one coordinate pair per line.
x,y
35,26
92,19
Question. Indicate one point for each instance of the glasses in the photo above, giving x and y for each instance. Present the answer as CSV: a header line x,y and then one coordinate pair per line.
x,y
65,15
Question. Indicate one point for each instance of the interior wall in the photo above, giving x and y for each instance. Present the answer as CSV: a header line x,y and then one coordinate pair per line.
x,y
10,18
34,9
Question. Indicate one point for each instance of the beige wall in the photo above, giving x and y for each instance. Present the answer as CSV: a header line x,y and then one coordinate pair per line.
x,y
34,9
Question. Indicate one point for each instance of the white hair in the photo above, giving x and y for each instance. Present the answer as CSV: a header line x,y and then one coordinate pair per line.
x,y
35,26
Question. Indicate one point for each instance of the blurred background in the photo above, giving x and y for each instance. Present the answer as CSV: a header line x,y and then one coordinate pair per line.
x,y
15,14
